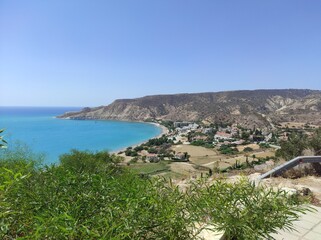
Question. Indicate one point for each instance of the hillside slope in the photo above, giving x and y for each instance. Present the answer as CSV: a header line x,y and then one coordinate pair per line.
x,y
248,108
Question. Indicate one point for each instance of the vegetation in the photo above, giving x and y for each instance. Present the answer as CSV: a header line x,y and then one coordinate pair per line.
x,y
292,147
228,149
298,142
160,146
202,143
158,141
264,145
248,149
247,164
168,124
315,141
244,211
90,196
150,168
130,152
2,141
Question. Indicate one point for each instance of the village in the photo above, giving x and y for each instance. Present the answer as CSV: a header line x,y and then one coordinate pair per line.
x,y
189,149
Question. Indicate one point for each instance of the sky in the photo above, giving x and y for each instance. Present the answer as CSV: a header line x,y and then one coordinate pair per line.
x,y
89,53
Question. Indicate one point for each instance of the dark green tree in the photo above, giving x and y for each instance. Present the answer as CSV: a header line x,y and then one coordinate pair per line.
x,y
293,147
315,141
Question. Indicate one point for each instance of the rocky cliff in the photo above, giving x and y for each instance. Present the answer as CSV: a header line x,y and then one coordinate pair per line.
x,y
249,108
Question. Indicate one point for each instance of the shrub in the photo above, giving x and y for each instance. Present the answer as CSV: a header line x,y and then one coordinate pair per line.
x,y
264,145
228,149
242,210
198,143
85,161
152,150
139,148
2,141
89,196
293,147
248,149
78,201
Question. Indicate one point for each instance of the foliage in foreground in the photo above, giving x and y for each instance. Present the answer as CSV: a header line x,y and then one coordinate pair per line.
x,y
243,210
2,141
89,196
83,200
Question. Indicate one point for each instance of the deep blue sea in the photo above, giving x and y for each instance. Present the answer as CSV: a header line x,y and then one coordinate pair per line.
x,y
43,133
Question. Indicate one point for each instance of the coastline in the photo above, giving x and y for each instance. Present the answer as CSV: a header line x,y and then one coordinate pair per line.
x,y
164,130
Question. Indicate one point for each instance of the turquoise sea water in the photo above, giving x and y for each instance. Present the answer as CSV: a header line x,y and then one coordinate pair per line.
x,y
37,127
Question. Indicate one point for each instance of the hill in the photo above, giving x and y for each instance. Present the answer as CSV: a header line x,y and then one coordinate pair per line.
x,y
260,108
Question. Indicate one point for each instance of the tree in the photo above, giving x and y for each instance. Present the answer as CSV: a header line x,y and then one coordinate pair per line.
x,y
293,147
2,141
245,135
315,141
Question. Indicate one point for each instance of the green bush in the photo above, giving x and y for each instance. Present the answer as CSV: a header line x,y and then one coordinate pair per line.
x,y
2,141
131,153
89,196
139,148
152,150
248,149
85,161
293,147
228,149
78,201
198,143
243,211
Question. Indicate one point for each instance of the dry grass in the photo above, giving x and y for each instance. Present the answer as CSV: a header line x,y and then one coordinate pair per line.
x,y
211,158
311,182
266,153
199,155
254,146
195,151
185,169
297,125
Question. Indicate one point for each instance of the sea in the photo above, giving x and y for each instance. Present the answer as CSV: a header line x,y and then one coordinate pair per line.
x,y
40,130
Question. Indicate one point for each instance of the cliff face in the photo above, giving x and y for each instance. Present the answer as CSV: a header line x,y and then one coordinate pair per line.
x,y
249,108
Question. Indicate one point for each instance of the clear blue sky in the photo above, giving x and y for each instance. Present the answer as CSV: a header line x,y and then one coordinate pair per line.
x,y
88,53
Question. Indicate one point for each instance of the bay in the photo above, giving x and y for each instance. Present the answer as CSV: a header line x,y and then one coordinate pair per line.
x,y
38,128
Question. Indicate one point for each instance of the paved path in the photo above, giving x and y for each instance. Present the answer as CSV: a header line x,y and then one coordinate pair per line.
x,y
308,228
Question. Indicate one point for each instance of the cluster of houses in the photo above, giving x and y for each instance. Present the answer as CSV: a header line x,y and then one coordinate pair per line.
x,y
221,135
177,157
193,133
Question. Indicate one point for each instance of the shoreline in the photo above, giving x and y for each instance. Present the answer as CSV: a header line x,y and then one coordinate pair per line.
x,y
164,131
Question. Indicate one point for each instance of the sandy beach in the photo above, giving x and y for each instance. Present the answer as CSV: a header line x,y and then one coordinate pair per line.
x,y
164,131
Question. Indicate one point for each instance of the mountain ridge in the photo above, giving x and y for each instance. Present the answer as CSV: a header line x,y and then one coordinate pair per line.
x,y
251,108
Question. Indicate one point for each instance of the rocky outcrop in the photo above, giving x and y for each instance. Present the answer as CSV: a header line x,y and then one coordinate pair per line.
x,y
249,108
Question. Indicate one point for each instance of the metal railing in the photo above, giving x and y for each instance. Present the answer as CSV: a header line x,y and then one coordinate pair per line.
x,y
290,164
